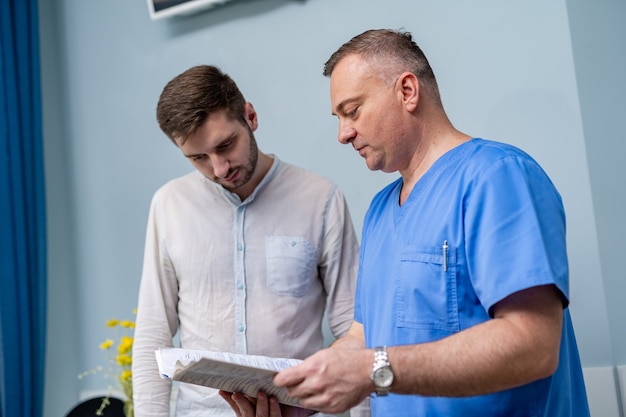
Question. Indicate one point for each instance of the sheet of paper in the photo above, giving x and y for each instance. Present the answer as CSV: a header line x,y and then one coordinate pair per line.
x,y
247,374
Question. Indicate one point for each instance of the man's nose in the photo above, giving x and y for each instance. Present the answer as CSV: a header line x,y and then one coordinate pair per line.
x,y
221,166
346,134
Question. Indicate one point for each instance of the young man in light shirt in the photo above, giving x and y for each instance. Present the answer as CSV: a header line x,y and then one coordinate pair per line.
x,y
245,254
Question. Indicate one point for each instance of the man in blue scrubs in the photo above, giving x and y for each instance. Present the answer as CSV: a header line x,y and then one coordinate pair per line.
x,y
462,296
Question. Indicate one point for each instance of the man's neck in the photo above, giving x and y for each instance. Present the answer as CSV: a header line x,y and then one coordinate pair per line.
x,y
425,156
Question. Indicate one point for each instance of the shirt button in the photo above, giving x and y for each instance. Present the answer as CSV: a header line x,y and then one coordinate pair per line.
x,y
239,247
241,328
240,286
293,243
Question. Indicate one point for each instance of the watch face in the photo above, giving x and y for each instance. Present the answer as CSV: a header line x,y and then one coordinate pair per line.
x,y
383,377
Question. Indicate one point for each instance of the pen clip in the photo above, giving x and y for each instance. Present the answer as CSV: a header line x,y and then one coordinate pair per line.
x,y
445,255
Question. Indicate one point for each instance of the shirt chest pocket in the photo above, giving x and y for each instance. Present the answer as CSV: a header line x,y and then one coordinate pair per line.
x,y
291,265
426,289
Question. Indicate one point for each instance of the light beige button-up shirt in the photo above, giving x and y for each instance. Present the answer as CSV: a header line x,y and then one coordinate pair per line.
x,y
248,277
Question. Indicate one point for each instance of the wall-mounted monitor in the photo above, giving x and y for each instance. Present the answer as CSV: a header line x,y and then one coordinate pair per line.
x,y
165,8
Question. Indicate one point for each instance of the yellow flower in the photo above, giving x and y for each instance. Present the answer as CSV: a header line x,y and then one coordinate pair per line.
x,y
124,360
128,324
120,363
106,344
126,344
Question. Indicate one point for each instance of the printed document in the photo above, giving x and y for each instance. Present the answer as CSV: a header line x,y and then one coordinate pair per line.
x,y
246,374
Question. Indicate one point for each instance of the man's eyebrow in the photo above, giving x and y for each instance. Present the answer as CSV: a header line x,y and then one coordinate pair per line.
x,y
193,155
231,136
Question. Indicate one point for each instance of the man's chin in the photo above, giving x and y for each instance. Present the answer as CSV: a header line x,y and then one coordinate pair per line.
x,y
373,165
224,184
232,186
228,186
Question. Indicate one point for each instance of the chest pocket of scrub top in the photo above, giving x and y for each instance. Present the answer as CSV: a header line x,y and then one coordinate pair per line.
x,y
291,265
426,290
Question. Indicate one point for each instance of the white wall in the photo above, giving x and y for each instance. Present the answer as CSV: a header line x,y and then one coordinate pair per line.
x,y
506,71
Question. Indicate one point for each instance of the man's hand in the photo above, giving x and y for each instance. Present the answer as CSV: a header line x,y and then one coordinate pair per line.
x,y
332,380
262,406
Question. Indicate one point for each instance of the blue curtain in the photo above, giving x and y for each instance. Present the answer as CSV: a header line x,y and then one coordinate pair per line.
x,y
22,214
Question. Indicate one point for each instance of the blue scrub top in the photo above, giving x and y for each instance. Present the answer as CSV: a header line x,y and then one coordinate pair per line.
x,y
484,222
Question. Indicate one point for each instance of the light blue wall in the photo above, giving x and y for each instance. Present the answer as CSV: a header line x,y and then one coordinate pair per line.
x,y
506,69
599,44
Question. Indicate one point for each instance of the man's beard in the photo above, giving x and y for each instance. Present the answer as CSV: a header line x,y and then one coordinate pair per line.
x,y
246,171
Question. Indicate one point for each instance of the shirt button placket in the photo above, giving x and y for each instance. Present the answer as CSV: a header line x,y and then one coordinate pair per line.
x,y
240,282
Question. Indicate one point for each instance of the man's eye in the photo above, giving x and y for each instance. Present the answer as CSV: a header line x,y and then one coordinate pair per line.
x,y
352,113
225,145
198,157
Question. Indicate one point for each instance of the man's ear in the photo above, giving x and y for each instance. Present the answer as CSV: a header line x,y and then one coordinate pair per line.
x,y
408,90
251,116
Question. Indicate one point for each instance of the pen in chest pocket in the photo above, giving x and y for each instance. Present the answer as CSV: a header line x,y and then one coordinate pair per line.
x,y
445,255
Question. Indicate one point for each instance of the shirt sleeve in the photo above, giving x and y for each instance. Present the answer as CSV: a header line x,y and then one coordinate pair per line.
x,y
339,263
156,323
515,231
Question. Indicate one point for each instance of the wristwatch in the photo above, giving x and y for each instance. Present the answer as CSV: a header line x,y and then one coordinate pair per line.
x,y
382,375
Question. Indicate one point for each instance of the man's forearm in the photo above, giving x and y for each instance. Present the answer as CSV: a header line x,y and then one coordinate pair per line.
x,y
354,338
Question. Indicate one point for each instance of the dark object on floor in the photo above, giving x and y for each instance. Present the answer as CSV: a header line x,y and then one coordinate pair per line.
x,y
89,407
